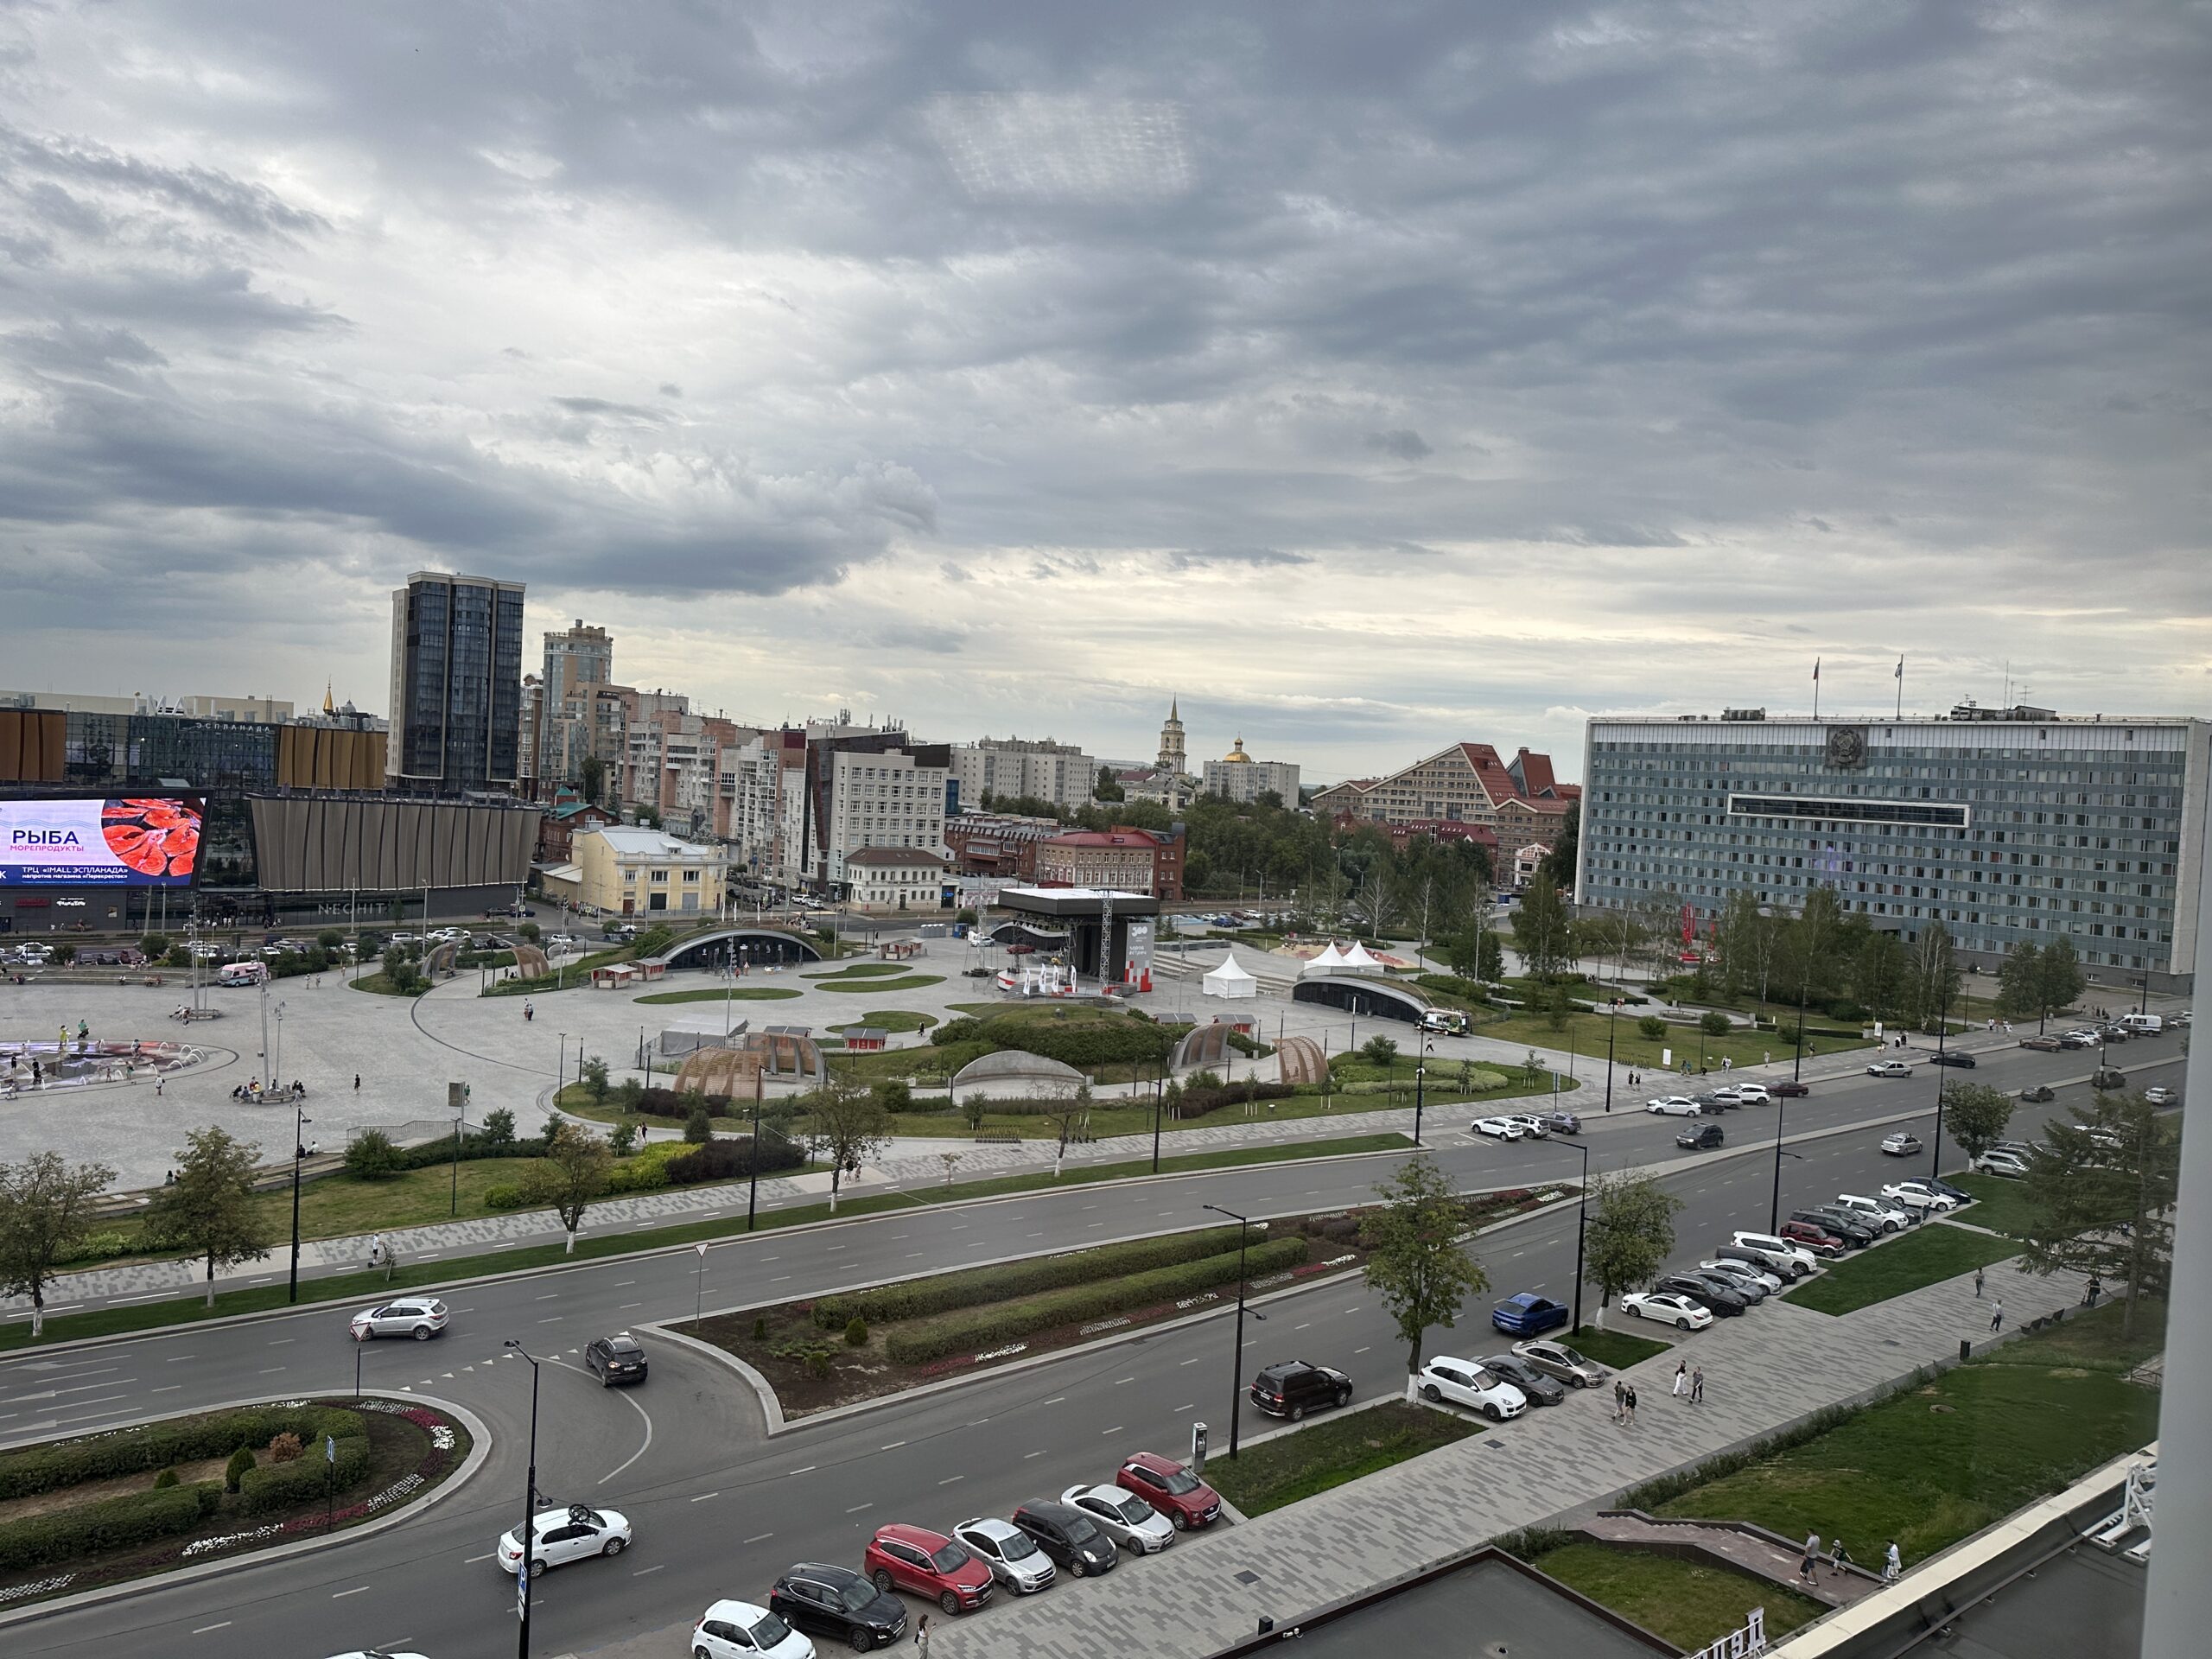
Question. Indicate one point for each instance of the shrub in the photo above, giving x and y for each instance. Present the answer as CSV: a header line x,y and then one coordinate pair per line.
x,y
503,1195
98,1247
698,1126
966,1029
729,1158
283,1448
817,1363
157,1446
153,946
760,1327
370,1156
1379,1051
499,1127
942,1293
1713,1024
113,1523
987,1327
1652,1027
857,1332
1467,990
893,1095
166,1479
241,1462
278,1486
638,1175
1197,1103
622,1139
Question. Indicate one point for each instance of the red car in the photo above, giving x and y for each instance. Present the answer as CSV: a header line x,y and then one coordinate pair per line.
x,y
1817,1240
929,1565
1170,1487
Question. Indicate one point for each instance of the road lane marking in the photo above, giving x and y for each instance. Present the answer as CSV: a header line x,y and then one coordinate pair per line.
x,y
172,1360
857,1508
703,1497
271,1371
626,1307
949,1479
1188,1361
473,1560
1027,1455
556,1319
339,1595
1115,1430
549,1296
1355,1350
284,1342
204,1629
760,1538
893,1446
1308,1326
171,1389
809,1470
1058,1399
1192,1406
913,1255
642,1571
1120,1380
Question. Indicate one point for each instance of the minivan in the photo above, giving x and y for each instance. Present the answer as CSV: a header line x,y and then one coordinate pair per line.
x,y
242,973
2147,1025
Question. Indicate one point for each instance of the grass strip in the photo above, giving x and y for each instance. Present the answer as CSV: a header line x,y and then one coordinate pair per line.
x,y
1614,1348
1331,1451
1927,1256
860,970
2000,1205
889,1020
369,1286
1689,1604
735,993
904,982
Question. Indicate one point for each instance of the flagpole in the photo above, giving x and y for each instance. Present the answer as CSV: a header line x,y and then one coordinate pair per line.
x,y
1817,688
1900,688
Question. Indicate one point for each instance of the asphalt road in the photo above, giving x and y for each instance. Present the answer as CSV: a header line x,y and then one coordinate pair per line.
x,y
720,1510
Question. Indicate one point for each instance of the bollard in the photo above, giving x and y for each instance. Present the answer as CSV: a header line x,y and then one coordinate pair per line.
x,y
1966,1350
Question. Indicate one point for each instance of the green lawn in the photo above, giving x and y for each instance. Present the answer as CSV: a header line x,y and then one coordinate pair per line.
x,y
2091,1339
187,1310
860,970
734,993
890,1020
902,982
1330,1451
1938,1463
1615,1348
1999,1205
1926,1255
1689,1604
377,985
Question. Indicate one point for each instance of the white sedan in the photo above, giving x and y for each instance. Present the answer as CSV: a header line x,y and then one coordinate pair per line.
x,y
1667,1308
1466,1383
1912,1195
1123,1516
559,1537
2163,1096
419,1317
1499,1128
738,1630
1672,1106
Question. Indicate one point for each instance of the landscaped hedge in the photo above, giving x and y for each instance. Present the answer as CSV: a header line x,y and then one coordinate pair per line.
x,y
112,1524
1084,1045
727,1159
280,1485
1197,1103
920,1297
987,1327
157,1446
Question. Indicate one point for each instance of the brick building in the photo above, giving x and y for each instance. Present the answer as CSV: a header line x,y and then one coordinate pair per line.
x,y
1125,859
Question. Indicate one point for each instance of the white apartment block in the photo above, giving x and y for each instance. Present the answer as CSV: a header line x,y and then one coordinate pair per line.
x,y
1237,776
880,800
1011,768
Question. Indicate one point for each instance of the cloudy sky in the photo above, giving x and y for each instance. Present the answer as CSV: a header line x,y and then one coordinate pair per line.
x,y
1371,377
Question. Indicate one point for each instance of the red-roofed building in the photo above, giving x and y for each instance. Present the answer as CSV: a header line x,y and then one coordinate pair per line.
x,y
1125,859
1466,784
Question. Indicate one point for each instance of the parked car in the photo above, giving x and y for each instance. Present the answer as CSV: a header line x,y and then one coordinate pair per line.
x,y
1724,1304
1952,1057
618,1359
1070,1537
1672,1106
2161,1095
1528,1314
1498,1128
1562,1364
1700,1137
1743,1273
738,1629
1464,1383
1668,1308
1889,1069
2113,1032
837,1602
2077,1040
1785,1269
1777,1252
1841,1223
1744,1094
1011,1553
1169,1487
2039,1094
1811,1235
2042,1044
929,1565
1902,1145
1293,1388
1562,1122
1535,1388
419,1317
1789,1088
1532,1124
1887,1217
1123,1516
558,1537
1922,1200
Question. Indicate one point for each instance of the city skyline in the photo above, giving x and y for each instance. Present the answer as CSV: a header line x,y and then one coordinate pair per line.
x,y
1366,382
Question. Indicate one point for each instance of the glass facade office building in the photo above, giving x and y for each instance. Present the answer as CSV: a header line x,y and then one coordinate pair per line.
x,y
456,684
2008,829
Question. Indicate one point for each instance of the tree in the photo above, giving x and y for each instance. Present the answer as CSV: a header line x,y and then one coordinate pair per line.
x,y
1380,1051
498,1128
1106,787
1557,866
2101,1192
1617,934
1933,977
1632,1234
1415,1261
2019,983
63,954
370,1156
209,1212
1749,941
46,1208
593,780
1879,974
1066,1116
572,1173
153,946
595,1078
1976,1115
1540,930
847,1127
2062,982
1477,954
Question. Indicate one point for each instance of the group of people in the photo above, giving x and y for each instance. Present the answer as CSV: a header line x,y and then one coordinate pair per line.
x,y
1838,1558
253,1093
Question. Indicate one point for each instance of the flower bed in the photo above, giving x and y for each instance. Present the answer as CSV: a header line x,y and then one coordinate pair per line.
x,y
398,1451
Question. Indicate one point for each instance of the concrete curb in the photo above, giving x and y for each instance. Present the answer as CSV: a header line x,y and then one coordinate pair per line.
x,y
479,1451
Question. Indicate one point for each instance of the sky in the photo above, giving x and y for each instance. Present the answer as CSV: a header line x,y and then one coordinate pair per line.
x,y
1368,377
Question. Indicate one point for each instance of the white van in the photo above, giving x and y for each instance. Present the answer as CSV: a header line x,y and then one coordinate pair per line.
x,y
2146,1025
242,973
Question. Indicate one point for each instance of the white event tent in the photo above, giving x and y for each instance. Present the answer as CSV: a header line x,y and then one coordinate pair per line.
x,y
1329,958
1228,979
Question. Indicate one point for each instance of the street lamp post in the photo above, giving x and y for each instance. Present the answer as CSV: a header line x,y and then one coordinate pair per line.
x,y
1236,1359
1421,1078
529,1508
1774,1211
460,1114
1612,1019
1159,1105
1581,1224
753,1162
1942,1075
300,1121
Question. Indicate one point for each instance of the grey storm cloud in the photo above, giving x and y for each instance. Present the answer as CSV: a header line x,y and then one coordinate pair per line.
x,y
1136,301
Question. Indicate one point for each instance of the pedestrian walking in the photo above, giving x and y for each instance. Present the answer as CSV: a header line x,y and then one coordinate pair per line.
x,y
1893,1565
1620,1401
1809,1559
2096,1289
158,1080
1837,1556
1977,1284
1996,1314
922,1637
1697,1386
356,1082
1631,1403
1681,1378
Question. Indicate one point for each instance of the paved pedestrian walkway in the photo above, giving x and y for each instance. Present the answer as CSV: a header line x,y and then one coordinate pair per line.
x,y
1762,1373
1772,1559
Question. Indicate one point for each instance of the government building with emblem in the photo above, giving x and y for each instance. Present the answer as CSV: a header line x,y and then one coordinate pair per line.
x,y
2008,826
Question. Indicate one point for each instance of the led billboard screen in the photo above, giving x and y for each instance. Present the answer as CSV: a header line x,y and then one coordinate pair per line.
x,y
146,842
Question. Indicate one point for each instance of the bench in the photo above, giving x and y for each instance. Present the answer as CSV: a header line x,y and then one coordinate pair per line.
x,y
994,1137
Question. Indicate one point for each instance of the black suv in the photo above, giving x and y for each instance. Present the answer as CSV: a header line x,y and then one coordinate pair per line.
x,y
1294,1387
1845,1226
618,1359
1540,1390
1068,1537
1721,1304
835,1601
1952,1057
1700,1137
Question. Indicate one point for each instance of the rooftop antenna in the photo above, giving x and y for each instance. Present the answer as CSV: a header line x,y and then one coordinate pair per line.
x,y
2007,703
